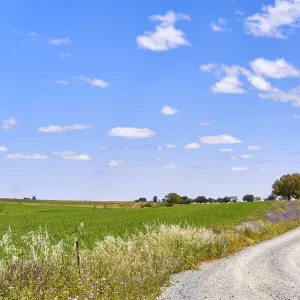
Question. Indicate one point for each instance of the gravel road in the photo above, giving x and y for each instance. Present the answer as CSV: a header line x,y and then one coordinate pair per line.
x,y
267,271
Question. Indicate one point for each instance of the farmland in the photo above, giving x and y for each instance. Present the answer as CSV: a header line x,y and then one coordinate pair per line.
x,y
122,253
61,219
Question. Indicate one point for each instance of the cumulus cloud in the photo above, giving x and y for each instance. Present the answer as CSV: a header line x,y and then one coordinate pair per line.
x,y
170,146
159,148
26,156
278,68
94,82
55,128
192,146
239,169
9,124
170,166
165,36
205,124
296,116
3,149
115,162
168,111
60,42
76,157
226,150
254,147
273,20
131,132
245,156
220,139
219,26
276,94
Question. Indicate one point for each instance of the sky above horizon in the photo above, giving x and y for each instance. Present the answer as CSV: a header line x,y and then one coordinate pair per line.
x,y
116,100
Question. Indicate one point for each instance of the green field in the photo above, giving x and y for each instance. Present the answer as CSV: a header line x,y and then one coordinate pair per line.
x,y
60,220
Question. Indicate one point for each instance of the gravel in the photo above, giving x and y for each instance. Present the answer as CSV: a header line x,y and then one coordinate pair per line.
x,y
267,271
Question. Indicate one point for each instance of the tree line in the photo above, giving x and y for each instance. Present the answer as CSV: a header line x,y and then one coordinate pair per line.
x,y
287,187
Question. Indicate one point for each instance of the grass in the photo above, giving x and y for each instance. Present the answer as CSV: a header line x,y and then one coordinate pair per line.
x,y
60,220
33,265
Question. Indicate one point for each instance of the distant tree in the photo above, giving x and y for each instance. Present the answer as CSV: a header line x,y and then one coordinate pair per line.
x,y
201,199
33,198
249,198
211,200
172,198
155,199
257,199
141,200
186,200
271,198
287,186
234,199
226,199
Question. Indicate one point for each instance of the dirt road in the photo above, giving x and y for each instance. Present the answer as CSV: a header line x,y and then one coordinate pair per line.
x,y
268,271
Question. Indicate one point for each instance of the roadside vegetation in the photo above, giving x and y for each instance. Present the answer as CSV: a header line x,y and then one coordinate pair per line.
x,y
65,252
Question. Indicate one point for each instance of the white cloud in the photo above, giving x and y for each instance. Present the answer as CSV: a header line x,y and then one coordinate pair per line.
x,y
158,159
219,26
170,146
245,156
233,158
115,162
65,54
239,169
3,149
220,139
226,150
63,153
296,116
55,128
64,82
255,147
9,124
103,148
159,148
278,68
205,124
230,84
26,156
260,83
76,157
274,19
168,111
276,94
94,82
239,13
192,146
60,42
131,132
165,36
208,67
170,166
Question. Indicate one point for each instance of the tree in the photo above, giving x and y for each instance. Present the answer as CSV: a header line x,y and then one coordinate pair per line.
x,y
141,200
249,198
34,198
287,186
257,199
226,199
155,199
211,200
201,199
172,198
234,198
271,198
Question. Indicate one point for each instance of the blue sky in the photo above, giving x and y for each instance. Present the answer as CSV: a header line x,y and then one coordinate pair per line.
x,y
115,100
